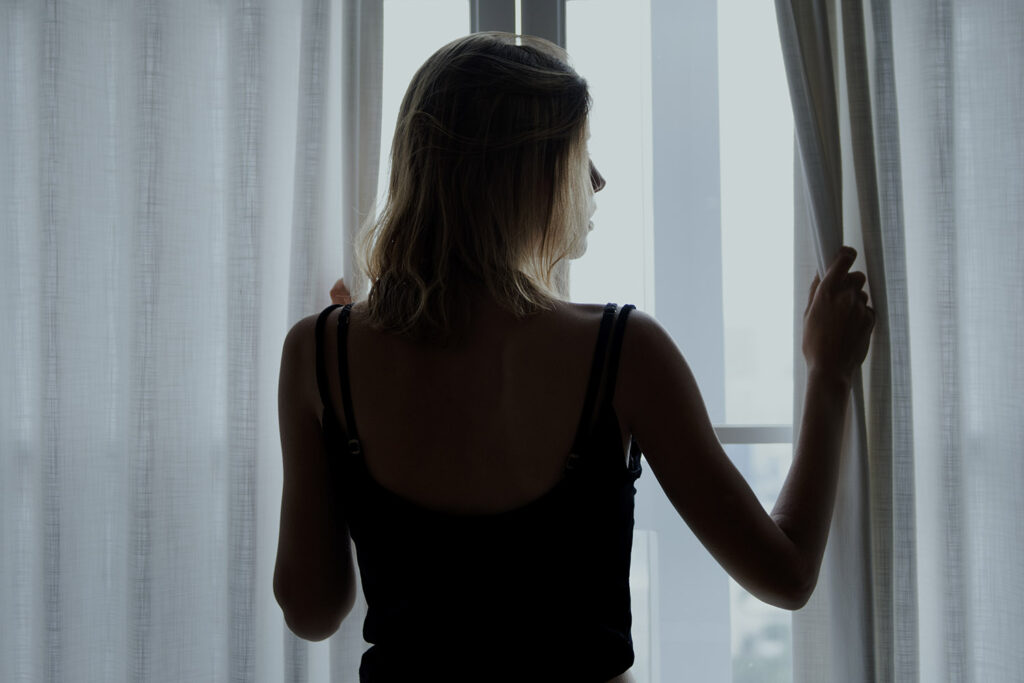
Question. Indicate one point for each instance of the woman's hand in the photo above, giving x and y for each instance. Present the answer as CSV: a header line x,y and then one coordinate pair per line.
x,y
340,293
838,320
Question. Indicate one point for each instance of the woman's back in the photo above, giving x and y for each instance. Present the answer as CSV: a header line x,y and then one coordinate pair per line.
x,y
481,428
473,563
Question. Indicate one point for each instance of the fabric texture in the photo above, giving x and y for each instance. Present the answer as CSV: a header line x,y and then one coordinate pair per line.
x,y
910,136
540,592
168,175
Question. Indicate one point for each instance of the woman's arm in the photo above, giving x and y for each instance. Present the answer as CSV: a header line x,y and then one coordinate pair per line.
x,y
314,577
774,557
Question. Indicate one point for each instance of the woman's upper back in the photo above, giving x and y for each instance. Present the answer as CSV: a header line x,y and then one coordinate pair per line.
x,y
480,428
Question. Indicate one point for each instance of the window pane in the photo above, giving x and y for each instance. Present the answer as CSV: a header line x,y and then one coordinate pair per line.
x,y
756,152
762,649
413,30
618,265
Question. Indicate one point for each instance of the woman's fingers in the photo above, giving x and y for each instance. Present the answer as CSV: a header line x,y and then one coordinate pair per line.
x,y
838,277
340,293
814,288
837,272
856,279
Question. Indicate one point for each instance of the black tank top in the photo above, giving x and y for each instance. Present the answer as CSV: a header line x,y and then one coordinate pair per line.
x,y
537,593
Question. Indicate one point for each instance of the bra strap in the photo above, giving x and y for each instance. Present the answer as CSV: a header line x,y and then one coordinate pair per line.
x,y
321,372
594,382
355,447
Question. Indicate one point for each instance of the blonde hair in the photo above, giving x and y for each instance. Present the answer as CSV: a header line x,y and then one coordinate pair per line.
x,y
487,193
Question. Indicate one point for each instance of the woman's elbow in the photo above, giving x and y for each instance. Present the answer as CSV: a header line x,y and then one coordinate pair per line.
x,y
798,590
309,619
314,629
788,588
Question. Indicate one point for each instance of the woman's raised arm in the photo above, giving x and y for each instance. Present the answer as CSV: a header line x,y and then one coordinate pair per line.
x,y
775,557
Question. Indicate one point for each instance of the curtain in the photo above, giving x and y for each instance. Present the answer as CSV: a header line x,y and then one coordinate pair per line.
x,y
178,185
910,147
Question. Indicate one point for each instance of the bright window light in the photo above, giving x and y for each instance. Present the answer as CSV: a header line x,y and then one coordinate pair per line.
x,y
413,30
756,158
619,263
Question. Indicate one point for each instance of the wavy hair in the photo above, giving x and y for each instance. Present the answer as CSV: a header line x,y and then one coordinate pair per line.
x,y
487,193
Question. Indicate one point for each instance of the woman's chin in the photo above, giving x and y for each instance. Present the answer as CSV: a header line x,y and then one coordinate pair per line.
x,y
579,249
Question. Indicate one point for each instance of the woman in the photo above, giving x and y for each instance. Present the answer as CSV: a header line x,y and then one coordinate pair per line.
x,y
479,438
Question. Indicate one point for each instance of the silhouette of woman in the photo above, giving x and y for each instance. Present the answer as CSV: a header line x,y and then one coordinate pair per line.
x,y
478,437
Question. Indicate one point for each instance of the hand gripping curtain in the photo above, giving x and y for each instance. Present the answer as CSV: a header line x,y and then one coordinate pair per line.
x,y
910,147
848,192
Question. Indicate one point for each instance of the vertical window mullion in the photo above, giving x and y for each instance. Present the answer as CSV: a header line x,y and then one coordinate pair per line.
x,y
492,15
544,18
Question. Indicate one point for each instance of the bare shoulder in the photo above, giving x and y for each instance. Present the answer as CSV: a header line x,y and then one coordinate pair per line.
x,y
646,347
302,331
647,363
300,342
298,362
658,399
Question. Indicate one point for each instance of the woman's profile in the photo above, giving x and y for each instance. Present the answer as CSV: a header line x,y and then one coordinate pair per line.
x,y
478,437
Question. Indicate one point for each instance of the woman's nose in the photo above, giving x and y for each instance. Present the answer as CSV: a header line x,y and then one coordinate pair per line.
x,y
596,179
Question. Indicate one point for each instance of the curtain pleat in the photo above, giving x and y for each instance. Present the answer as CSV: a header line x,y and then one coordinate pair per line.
x,y
888,382
942,582
307,282
307,279
891,413
243,310
808,56
823,648
51,214
362,82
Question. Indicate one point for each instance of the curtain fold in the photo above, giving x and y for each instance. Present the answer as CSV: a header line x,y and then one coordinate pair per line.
x,y
918,580
166,171
874,153
362,76
823,649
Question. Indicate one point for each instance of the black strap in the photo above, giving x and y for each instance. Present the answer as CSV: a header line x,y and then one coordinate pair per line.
x,y
616,349
354,446
594,382
321,372
602,384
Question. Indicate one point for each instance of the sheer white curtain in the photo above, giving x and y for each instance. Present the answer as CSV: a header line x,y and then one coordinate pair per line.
x,y
176,184
910,132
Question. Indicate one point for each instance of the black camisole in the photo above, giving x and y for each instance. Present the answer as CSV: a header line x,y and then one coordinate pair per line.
x,y
537,593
